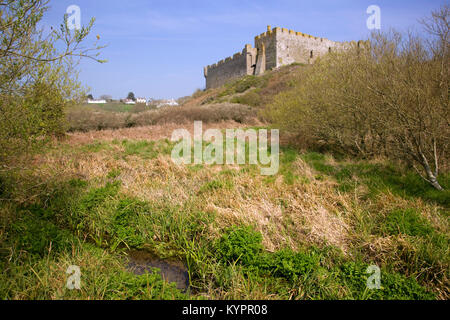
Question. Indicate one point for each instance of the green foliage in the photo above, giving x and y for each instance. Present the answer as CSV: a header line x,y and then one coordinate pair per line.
x,y
113,174
408,222
318,162
144,149
149,286
147,149
37,235
344,106
310,268
37,76
96,197
252,98
125,222
131,96
243,84
393,286
287,159
289,264
216,185
241,244
95,147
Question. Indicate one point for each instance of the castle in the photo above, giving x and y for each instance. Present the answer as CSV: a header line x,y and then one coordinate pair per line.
x,y
275,48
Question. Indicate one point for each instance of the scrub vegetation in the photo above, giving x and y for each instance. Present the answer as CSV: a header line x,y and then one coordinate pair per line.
x,y
363,180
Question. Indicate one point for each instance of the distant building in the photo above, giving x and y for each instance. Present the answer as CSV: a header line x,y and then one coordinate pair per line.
x,y
275,48
129,101
93,101
141,100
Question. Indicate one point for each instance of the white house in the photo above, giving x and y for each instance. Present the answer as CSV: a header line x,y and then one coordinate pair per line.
x,y
129,101
96,101
141,100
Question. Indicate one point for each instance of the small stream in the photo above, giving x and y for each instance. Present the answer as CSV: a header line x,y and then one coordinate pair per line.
x,y
140,262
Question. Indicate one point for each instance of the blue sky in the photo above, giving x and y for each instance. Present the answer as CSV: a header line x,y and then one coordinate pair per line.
x,y
157,49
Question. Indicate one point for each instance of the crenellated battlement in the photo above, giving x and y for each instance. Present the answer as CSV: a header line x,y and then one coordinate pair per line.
x,y
277,30
274,48
237,65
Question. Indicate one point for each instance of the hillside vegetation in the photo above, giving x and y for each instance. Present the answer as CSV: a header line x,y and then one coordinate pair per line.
x,y
108,187
309,232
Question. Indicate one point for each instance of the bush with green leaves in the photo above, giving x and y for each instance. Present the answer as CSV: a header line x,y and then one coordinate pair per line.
x,y
39,236
242,244
149,286
37,75
125,222
394,286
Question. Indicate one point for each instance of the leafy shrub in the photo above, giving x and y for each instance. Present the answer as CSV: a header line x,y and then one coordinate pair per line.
x,y
144,149
96,197
147,149
36,235
125,222
245,83
241,244
250,98
81,212
393,286
289,264
149,286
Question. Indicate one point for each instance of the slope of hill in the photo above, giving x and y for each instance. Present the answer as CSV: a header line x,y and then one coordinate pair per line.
x,y
311,231
255,91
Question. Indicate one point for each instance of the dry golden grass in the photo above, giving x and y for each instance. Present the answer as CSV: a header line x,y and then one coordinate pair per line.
x,y
87,119
148,133
308,212
287,216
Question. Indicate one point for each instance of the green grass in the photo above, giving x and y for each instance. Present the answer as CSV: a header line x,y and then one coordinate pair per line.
x,y
307,268
92,223
113,107
147,149
408,222
287,158
95,147
243,84
380,177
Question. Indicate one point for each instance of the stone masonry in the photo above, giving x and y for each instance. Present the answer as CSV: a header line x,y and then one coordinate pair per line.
x,y
275,48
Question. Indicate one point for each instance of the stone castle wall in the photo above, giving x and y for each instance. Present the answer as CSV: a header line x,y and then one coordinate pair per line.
x,y
239,65
273,49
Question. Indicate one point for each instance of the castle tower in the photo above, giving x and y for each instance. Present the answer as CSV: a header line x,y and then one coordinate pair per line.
x,y
274,48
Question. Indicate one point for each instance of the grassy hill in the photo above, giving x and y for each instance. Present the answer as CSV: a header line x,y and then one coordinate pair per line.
x,y
309,232
255,91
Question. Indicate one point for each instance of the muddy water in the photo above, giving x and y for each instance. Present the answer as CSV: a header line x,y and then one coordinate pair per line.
x,y
140,262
